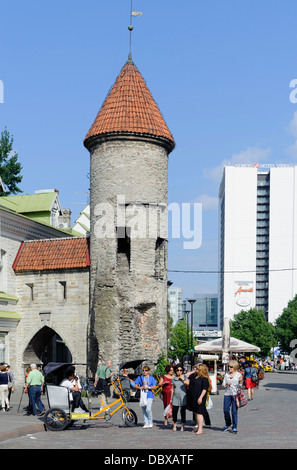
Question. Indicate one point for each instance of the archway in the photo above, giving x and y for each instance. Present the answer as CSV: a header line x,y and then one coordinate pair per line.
x,y
46,346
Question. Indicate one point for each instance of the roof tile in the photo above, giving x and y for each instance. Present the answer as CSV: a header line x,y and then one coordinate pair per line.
x,y
130,108
62,253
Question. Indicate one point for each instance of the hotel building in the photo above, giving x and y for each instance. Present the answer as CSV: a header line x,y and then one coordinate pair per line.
x,y
257,239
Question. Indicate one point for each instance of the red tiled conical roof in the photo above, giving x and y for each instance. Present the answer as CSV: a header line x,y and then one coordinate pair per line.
x,y
130,109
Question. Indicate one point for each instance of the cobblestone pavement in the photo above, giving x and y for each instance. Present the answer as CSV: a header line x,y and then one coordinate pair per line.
x,y
267,422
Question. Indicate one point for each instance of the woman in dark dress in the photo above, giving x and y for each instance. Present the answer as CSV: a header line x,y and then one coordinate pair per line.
x,y
198,387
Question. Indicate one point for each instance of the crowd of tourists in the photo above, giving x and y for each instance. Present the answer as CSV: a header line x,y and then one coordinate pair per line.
x,y
190,391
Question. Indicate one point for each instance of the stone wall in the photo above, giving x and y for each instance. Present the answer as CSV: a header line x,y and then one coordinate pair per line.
x,y
128,276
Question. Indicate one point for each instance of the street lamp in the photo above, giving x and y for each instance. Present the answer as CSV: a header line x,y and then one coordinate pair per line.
x,y
187,313
191,302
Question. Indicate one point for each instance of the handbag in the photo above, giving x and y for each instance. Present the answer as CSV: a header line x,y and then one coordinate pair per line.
x,y
168,411
209,403
241,399
254,377
143,398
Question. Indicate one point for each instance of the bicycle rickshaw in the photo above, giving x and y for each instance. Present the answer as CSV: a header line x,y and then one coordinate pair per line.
x,y
59,415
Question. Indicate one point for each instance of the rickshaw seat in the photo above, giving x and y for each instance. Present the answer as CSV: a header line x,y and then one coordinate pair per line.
x,y
58,397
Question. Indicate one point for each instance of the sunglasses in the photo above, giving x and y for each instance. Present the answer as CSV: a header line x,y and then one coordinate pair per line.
x,y
178,369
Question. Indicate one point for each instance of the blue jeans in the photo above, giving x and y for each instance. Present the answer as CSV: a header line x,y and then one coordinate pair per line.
x,y
147,411
229,402
34,398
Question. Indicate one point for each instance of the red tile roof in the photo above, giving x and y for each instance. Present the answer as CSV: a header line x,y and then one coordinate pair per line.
x,y
130,108
62,253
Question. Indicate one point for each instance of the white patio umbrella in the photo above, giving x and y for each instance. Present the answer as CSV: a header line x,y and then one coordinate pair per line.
x,y
235,345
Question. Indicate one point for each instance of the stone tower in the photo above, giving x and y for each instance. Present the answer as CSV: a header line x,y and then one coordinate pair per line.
x,y
129,143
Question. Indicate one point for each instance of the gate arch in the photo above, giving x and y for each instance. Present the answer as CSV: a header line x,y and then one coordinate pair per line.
x,y
46,346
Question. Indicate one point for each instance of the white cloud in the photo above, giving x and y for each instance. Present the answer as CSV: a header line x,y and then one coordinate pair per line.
x,y
249,155
208,202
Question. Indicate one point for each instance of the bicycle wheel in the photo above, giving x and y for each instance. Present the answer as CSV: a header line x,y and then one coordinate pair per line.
x,y
129,417
56,419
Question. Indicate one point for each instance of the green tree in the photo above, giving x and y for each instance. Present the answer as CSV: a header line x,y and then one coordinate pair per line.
x,y
10,168
252,327
178,343
286,326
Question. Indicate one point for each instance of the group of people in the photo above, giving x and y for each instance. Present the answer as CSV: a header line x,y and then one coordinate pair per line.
x,y
190,391
6,386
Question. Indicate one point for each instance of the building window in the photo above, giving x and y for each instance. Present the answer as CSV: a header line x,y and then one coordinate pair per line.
x,y
31,293
3,348
64,289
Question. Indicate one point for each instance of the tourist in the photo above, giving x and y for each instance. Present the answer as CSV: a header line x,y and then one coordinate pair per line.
x,y
249,384
4,379
166,383
35,381
146,383
199,386
179,397
72,383
232,381
102,377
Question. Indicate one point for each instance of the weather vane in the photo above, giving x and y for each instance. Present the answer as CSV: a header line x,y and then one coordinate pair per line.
x,y
130,27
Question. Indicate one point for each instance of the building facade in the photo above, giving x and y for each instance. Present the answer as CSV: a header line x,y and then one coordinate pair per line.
x,y
257,239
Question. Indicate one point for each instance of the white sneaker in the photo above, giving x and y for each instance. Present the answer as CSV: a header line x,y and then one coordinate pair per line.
x,y
145,426
150,425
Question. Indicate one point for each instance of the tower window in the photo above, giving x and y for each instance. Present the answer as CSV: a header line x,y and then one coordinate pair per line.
x,y
123,248
160,258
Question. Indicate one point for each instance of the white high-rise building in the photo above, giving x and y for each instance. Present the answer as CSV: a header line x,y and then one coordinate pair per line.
x,y
175,303
257,239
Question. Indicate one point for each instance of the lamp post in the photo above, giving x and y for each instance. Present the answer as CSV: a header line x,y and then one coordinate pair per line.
x,y
191,302
187,313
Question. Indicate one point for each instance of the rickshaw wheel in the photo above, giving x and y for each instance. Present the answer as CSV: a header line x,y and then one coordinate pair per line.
x,y
129,420
56,419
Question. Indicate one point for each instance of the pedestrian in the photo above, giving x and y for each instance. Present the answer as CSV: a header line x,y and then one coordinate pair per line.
x,y
146,383
102,377
4,378
10,381
199,386
35,381
249,384
26,390
166,383
232,381
72,383
179,397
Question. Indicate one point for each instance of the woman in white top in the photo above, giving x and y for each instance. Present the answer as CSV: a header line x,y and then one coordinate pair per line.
x,y
232,382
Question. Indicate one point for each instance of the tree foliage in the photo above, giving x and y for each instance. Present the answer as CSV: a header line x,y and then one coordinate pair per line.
x,y
252,327
10,167
286,326
178,343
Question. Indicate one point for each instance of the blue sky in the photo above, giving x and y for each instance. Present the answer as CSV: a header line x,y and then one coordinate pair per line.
x,y
219,70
